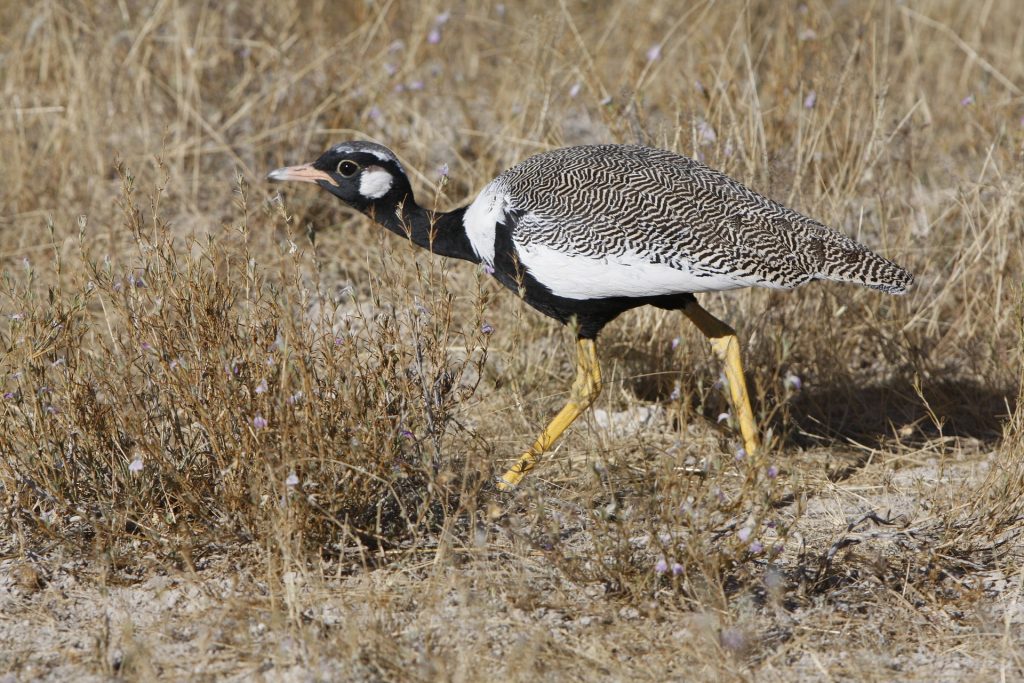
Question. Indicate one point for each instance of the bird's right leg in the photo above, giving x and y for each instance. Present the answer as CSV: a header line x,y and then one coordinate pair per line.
x,y
584,392
726,346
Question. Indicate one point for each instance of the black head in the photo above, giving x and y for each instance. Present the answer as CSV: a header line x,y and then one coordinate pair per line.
x,y
362,174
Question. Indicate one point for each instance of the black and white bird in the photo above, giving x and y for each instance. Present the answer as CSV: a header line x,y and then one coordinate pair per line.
x,y
585,233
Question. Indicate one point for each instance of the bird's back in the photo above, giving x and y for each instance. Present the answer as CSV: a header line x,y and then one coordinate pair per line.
x,y
656,207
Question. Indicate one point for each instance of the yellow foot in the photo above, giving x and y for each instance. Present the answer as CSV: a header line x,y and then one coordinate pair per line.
x,y
584,391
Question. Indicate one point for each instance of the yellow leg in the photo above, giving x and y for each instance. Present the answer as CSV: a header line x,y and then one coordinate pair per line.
x,y
727,347
584,392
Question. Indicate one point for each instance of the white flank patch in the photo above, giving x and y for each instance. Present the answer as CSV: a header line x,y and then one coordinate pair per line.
x,y
375,182
629,274
481,218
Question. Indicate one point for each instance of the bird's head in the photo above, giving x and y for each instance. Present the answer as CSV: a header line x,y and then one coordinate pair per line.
x,y
364,175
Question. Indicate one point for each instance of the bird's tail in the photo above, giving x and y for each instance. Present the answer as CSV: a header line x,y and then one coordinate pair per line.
x,y
853,262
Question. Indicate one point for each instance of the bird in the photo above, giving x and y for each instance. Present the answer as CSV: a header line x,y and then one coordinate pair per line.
x,y
584,233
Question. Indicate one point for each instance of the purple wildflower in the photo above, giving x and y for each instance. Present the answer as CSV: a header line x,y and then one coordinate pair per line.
x,y
434,37
744,533
292,480
442,170
488,268
793,381
677,569
486,328
654,52
810,100
661,566
706,132
967,101
756,547
574,90
773,471
261,388
259,422
740,454
136,464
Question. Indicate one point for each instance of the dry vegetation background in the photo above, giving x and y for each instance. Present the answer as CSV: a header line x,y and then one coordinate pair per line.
x,y
231,450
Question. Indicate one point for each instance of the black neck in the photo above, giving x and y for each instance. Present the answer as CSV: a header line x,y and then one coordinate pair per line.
x,y
440,233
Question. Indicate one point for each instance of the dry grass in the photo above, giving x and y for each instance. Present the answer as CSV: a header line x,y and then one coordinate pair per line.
x,y
232,451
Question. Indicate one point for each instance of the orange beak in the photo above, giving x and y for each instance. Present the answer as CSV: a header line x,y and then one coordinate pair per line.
x,y
305,173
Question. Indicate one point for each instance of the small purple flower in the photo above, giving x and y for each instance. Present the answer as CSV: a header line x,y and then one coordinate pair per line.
x,y
406,434
677,569
661,566
967,101
676,341
442,170
741,453
486,328
793,381
118,286
416,85
259,422
733,639
338,341
375,114
574,90
744,533
434,37
676,393
136,464
723,417
8,395
773,471
292,480
706,132
137,282
261,388
53,410
146,347
488,268
654,52
810,100
756,547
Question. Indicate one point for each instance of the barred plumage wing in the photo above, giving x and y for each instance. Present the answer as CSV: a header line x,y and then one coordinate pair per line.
x,y
647,206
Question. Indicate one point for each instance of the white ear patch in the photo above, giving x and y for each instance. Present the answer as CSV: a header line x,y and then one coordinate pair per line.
x,y
375,182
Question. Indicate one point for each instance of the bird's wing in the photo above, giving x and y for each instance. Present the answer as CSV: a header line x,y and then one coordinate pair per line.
x,y
652,207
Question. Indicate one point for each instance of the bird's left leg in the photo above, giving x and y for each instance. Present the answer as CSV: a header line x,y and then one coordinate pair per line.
x,y
727,347
584,392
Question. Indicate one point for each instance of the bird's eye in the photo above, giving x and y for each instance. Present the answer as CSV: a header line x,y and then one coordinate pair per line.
x,y
347,168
